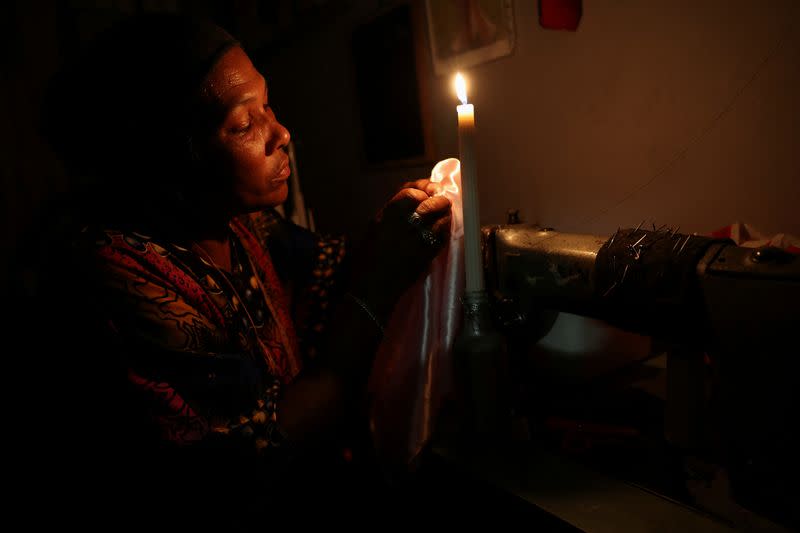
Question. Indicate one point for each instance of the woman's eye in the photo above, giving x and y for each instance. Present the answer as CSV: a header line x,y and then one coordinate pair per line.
x,y
242,128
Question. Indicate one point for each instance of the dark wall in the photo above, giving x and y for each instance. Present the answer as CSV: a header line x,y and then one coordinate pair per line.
x,y
31,177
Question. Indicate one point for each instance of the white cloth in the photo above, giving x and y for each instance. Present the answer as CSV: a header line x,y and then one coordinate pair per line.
x,y
413,370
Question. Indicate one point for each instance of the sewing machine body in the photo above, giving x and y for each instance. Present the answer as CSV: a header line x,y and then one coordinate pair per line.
x,y
723,318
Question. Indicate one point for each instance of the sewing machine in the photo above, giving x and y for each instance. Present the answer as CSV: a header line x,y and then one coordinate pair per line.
x,y
653,374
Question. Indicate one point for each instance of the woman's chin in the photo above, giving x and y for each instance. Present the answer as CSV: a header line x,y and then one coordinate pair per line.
x,y
277,196
267,199
281,194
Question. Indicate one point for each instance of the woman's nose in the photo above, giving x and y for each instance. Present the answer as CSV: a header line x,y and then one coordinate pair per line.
x,y
282,134
278,136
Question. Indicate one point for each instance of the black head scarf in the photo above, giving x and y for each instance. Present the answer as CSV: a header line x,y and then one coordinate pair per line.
x,y
123,115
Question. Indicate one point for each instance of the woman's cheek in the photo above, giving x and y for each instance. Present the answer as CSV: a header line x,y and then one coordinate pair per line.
x,y
243,152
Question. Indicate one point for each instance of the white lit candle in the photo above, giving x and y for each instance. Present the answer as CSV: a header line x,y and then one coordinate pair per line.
x,y
473,264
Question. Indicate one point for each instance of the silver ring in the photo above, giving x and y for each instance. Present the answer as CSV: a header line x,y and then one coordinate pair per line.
x,y
415,219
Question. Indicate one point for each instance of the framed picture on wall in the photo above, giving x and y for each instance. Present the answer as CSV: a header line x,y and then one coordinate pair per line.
x,y
465,33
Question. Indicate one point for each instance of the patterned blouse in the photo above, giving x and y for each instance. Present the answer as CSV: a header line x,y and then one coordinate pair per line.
x,y
207,352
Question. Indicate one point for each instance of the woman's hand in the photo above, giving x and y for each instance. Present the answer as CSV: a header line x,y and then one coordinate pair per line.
x,y
410,230
425,185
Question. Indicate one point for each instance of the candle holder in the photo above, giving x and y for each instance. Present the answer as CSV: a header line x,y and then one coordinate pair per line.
x,y
480,357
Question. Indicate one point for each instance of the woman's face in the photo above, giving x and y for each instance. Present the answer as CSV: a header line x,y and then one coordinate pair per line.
x,y
247,142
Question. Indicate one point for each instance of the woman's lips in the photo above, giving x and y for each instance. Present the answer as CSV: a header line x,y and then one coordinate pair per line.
x,y
283,173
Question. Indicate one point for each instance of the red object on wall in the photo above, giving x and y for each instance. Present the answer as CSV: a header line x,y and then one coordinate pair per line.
x,y
560,14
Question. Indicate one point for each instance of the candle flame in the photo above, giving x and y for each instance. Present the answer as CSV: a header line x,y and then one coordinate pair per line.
x,y
461,88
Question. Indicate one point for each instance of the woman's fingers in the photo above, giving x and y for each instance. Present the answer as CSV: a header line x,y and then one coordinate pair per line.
x,y
404,203
433,207
425,185
434,218
410,231
414,208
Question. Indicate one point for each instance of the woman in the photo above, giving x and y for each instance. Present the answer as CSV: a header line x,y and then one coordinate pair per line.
x,y
196,291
